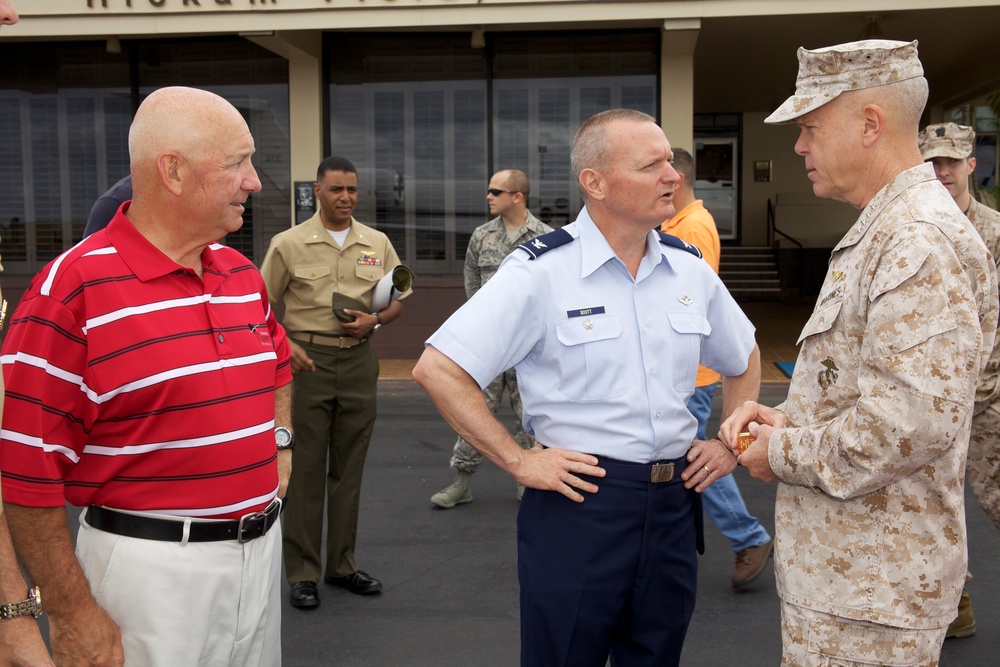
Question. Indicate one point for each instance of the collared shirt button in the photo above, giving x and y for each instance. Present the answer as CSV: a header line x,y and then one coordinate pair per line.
x,y
220,338
658,414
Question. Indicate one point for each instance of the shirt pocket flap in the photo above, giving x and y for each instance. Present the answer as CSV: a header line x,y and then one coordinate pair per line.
x,y
821,320
898,265
312,272
369,273
577,330
689,322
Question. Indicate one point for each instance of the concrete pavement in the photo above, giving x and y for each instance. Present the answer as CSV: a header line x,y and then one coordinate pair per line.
x,y
450,576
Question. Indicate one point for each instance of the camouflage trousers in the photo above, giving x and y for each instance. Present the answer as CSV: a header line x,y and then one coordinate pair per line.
x,y
813,639
464,456
983,464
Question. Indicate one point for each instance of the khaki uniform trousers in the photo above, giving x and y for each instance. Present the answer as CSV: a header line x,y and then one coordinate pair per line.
x,y
333,414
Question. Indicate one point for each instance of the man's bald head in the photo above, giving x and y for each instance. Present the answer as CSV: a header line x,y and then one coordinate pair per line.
x,y
179,119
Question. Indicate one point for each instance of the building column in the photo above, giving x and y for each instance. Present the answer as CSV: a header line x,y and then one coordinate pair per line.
x,y
678,39
304,52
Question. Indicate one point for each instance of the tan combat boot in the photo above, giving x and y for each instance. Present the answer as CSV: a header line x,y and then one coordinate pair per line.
x,y
456,493
965,624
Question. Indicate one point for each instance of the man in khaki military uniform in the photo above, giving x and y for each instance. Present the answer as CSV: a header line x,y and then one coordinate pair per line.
x,y
336,374
950,148
869,449
507,196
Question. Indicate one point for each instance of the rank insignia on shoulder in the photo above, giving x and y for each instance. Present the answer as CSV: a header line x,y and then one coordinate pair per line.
x,y
673,241
540,245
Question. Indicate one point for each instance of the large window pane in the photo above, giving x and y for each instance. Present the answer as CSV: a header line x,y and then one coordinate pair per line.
x,y
62,128
65,111
427,120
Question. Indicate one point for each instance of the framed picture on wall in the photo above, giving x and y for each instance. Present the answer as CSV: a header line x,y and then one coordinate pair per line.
x,y
762,171
305,201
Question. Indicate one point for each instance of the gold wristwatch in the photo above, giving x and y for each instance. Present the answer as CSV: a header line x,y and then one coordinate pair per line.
x,y
33,606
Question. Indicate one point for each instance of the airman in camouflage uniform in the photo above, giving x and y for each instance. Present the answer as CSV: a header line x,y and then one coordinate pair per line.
x,y
950,148
490,243
869,449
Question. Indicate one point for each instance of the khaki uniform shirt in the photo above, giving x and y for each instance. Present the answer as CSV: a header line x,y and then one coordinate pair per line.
x,y
489,245
984,445
870,516
304,267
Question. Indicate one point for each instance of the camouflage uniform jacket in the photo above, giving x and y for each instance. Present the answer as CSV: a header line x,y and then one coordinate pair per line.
x,y
984,445
489,246
870,516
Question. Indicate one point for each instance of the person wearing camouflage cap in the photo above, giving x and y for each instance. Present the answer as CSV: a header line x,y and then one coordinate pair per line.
x,y
950,147
869,449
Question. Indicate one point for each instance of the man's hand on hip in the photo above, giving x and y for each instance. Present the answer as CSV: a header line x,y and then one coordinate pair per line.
x,y
552,469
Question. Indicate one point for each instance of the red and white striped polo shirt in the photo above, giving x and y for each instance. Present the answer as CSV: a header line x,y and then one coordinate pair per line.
x,y
133,384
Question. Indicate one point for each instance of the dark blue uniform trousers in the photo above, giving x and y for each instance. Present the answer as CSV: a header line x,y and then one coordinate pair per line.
x,y
612,576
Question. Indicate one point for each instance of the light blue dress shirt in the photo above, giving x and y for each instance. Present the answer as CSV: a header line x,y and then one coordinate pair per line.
x,y
605,363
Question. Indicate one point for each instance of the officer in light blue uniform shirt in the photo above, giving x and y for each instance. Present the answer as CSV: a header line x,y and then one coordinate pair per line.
x,y
601,371
606,321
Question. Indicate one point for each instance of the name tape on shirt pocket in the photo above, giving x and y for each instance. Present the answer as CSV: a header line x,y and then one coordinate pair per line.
x,y
583,312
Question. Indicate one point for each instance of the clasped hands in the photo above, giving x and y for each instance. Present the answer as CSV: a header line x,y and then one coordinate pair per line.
x,y
760,421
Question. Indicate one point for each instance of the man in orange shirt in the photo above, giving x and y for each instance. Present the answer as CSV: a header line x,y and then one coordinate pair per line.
x,y
722,501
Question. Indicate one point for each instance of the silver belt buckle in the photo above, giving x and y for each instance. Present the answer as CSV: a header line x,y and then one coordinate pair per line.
x,y
242,537
661,472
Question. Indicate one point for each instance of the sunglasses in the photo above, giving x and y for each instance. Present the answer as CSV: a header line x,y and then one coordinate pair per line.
x,y
496,193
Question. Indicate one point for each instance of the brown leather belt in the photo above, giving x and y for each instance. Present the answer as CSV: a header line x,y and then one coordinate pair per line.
x,y
327,340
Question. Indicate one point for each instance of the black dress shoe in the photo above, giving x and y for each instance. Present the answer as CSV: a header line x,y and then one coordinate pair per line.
x,y
304,595
360,583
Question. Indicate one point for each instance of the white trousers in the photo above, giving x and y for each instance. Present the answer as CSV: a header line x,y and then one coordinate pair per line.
x,y
204,604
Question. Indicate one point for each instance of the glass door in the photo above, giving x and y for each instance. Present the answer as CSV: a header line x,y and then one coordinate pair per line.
x,y
717,181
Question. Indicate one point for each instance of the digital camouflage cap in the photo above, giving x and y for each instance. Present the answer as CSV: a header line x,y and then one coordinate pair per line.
x,y
827,72
946,140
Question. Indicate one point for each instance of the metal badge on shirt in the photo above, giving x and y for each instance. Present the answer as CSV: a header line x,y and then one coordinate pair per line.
x,y
588,323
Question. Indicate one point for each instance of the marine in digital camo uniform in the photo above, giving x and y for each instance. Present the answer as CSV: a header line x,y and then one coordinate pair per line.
x,y
869,449
951,149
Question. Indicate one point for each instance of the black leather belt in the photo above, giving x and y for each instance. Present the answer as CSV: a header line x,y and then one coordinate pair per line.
x,y
656,472
249,527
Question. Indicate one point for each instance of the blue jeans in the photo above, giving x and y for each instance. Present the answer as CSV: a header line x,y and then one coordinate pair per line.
x,y
722,501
